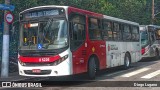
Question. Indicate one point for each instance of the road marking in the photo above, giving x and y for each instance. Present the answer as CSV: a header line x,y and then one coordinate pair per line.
x,y
111,74
135,72
153,74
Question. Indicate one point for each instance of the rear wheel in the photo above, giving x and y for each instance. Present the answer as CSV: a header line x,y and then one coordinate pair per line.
x,y
127,61
92,68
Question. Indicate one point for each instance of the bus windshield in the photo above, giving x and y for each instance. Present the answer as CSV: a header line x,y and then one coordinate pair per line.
x,y
144,38
51,34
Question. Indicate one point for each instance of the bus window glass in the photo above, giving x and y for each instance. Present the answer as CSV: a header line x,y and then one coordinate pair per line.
x,y
144,38
116,31
126,33
51,34
107,30
77,30
30,34
135,34
94,29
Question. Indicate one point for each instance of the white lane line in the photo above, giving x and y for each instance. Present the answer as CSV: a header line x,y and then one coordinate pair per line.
x,y
135,72
153,74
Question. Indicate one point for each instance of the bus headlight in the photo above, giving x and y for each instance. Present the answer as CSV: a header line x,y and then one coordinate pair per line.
x,y
22,63
60,60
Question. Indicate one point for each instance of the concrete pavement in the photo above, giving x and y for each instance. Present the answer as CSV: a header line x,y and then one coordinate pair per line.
x,y
15,77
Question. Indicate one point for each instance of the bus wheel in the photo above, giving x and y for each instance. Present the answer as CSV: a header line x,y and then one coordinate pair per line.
x,y
92,68
127,61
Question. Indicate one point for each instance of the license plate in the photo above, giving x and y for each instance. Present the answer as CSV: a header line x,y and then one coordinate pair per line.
x,y
36,70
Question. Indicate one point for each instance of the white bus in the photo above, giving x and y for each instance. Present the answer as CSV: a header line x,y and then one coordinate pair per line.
x,y
150,42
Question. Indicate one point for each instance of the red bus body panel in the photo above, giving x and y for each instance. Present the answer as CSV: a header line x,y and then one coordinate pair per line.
x,y
39,59
81,56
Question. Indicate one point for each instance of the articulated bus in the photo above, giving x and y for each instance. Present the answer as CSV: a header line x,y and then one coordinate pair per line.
x,y
63,40
150,42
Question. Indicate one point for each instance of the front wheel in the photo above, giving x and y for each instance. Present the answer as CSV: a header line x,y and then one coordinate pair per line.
x,y
92,68
127,61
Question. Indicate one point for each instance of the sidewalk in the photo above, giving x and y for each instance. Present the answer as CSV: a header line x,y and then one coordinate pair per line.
x,y
15,77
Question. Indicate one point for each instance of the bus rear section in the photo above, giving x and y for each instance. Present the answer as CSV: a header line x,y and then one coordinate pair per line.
x,y
150,43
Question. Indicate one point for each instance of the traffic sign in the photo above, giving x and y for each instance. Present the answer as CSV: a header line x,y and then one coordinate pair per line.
x,y
7,7
9,17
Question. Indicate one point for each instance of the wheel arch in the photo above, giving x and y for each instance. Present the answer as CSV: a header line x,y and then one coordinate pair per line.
x,y
96,60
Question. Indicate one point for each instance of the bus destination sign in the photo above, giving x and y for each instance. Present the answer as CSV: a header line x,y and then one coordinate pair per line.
x,y
41,13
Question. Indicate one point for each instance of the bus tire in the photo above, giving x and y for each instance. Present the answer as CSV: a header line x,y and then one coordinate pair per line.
x,y
92,68
127,61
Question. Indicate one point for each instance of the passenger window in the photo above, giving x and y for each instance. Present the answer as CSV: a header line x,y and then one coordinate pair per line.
x,y
107,30
116,31
135,33
126,33
94,29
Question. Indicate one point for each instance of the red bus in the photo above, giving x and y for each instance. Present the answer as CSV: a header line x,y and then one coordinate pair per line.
x,y
63,40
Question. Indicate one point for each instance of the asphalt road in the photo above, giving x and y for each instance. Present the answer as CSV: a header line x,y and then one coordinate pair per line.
x,y
135,77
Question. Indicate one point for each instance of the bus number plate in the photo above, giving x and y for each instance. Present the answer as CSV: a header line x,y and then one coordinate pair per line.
x,y
36,70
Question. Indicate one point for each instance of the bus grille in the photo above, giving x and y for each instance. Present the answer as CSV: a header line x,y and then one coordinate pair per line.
x,y
43,72
40,64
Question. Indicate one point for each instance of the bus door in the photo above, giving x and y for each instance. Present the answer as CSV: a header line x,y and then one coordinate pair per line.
x,y
152,41
77,42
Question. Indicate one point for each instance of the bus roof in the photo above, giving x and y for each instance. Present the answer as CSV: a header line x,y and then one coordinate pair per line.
x,y
144,27
120,20
88,12
48,6
156,26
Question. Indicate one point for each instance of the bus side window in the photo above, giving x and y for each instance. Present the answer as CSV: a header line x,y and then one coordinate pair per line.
x,y
116,31
107,30
126,33
94,29
135,33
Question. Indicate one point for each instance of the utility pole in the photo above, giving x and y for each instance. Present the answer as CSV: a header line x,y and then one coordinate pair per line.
x,y
5,50
152,11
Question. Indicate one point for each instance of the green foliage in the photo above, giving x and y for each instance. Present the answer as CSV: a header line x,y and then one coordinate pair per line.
x,y
133,10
